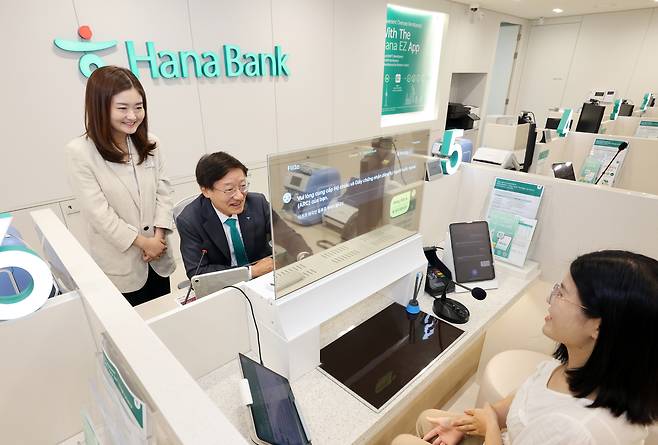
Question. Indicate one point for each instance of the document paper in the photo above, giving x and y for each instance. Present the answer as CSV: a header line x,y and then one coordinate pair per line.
x,y
602,152
512,219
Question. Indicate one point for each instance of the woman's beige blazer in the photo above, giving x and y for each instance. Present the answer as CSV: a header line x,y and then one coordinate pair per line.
x,y
117,207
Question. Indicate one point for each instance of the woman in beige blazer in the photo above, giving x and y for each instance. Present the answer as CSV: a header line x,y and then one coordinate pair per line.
x,y
117,173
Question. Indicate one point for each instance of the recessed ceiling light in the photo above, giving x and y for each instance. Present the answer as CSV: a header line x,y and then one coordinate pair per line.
x,y
558,10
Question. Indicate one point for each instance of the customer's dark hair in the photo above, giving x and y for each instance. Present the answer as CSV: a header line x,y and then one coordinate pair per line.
x,y
213,167
620,288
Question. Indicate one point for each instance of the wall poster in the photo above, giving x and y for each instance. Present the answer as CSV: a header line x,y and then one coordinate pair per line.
x,y
412,48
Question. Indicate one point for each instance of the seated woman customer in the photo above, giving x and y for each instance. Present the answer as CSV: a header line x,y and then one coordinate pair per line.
x,y
602,387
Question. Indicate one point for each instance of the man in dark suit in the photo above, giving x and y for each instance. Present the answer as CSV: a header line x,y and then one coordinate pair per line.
x,y
230,224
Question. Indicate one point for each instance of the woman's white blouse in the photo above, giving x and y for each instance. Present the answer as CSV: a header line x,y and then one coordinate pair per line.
x,y
541,416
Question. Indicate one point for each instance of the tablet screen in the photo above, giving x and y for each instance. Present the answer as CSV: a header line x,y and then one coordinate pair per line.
x,y
471,252
564,170
274,412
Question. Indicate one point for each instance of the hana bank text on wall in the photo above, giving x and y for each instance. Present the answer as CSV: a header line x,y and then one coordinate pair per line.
x,y
178,64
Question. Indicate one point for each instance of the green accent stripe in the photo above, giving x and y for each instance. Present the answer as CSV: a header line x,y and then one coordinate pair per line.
x,y
26,292
518,187
17,298
607,143
68,45
5,215
15,247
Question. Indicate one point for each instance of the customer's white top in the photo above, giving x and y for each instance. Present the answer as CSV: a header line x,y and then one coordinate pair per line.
x,y
539,415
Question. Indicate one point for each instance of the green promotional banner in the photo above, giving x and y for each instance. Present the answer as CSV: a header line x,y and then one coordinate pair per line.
x,y
130,400
407,60
523,188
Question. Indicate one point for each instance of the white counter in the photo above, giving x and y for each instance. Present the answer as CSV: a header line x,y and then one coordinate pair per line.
x,y
333,415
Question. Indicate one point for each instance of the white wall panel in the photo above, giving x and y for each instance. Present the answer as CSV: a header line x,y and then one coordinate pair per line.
x,y
473,45
358,70
546,69
42,104
238,113
568,57
606,52
174,114
645,72
304,100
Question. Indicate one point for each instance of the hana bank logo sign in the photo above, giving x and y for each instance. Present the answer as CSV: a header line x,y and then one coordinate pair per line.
x,y
86,46
179,64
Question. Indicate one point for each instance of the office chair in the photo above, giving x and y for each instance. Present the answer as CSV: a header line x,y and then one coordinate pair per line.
x,y
180,206
177,210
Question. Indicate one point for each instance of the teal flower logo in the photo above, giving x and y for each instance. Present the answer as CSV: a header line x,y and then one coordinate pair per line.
x,y
88,60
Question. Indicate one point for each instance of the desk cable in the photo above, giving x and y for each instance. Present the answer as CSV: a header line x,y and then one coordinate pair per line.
x,y
397,155
251,307
324,244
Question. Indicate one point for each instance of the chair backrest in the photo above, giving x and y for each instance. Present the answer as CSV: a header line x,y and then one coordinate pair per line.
x,y
180,205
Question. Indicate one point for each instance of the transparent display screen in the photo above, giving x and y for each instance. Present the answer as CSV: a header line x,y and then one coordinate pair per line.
x,y
378,358
339,204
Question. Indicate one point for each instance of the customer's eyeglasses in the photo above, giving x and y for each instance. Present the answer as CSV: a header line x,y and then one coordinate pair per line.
x,y
230,191
556,292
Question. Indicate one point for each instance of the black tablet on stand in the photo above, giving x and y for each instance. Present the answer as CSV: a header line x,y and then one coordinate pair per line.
x,y
275,417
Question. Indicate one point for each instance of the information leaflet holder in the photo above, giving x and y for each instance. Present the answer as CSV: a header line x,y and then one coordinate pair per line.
x,y
604,161
512,218
647,129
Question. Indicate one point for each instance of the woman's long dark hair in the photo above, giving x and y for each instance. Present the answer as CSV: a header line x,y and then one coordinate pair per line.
x,y
620,288
103,84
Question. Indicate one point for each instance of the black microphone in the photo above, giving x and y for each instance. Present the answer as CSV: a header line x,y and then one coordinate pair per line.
x,y
189,289
452,310
412,307
477,292
621,148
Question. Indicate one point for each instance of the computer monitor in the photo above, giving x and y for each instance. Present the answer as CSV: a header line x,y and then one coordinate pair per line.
x,y
368,195
626,109
590,118
564,170
530,147
552,123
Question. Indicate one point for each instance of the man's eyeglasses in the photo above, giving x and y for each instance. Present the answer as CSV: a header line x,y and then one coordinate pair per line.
x,y
230,191
557,293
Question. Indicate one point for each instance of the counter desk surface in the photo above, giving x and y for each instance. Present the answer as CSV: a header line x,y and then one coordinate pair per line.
x,y
333,415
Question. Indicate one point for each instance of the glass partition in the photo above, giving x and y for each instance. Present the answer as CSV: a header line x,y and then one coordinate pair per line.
x,y
335,205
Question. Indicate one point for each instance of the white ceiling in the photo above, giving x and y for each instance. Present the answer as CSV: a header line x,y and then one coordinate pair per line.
x,y
533,9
